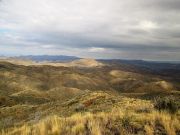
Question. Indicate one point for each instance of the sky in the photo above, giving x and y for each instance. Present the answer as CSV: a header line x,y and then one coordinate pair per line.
x,y
109,29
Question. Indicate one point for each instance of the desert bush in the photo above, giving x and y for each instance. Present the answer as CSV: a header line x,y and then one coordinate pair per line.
x,y
2,100
126,122
79,107
166,103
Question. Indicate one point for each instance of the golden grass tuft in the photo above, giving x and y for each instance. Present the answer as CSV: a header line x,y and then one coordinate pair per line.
x,y
115,122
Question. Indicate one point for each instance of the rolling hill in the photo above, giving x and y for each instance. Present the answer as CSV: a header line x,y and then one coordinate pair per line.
x,y
84,91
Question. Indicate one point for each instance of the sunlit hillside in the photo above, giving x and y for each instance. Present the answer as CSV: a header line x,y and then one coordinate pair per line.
x,y
98,98
98,113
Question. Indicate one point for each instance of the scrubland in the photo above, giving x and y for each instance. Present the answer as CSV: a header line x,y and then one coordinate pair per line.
x,y
52,100
121,116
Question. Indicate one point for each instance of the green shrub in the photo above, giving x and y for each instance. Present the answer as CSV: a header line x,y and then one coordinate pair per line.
x,y
166,103
126,122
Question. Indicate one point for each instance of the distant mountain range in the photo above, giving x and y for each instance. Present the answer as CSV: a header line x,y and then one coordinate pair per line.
x,y
39,58
65,58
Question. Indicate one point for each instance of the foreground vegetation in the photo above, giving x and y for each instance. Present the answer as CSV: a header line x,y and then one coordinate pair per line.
x,y
100,113
116,122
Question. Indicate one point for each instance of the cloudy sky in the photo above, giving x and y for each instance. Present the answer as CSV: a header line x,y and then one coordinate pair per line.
x,y
125,29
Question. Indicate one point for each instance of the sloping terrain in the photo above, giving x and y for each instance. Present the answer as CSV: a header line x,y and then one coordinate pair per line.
x,y
88,63
93,113
32,84
31,96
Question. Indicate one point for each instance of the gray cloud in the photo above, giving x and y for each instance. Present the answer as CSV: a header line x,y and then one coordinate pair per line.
x,y
89,28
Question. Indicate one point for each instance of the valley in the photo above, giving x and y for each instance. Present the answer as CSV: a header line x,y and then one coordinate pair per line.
x,y
119,97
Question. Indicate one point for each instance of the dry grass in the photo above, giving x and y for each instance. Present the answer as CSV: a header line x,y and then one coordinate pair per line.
x,y
115,122
114,115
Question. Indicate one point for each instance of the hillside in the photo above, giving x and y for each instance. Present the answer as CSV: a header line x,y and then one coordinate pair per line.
x,y
31,96
64,63
94,113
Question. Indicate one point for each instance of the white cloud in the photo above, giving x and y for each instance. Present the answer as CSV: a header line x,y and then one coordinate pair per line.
x,y
91,25
48,46
96,49
147,25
